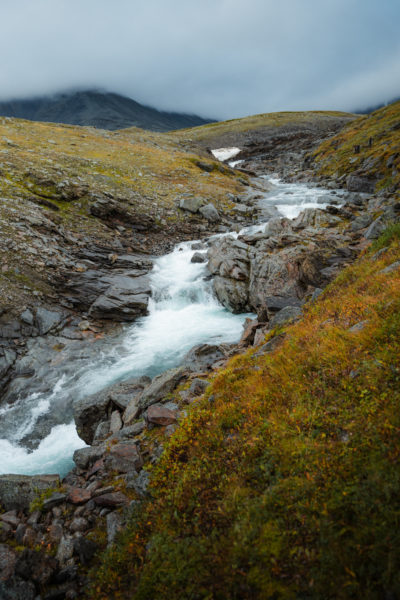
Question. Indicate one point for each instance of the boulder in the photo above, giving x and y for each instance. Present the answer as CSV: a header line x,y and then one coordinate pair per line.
x,y
277,226
124,457
191,204
232,294
157,414
285,316
125,300
357,183
198,258
203,356
18,491
89,412
210,213
46,320
375,229
162,385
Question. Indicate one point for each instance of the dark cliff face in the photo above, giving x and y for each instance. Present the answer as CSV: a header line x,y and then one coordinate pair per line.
x,y
97,109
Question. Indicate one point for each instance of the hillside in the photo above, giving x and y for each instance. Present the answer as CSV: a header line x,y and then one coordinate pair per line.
x,y
283,480
368,148
97,109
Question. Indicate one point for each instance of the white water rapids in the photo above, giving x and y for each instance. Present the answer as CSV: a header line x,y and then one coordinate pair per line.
x,y
182,313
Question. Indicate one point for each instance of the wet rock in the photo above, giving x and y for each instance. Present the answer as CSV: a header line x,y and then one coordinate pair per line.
x,y
18,491
210,213
162,385
198,258
97,408
85,457
126,300
157,414
234,295
46,320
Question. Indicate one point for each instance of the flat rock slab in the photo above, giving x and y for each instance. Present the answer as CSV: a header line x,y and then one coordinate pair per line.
x,y
111,500
157,414
79,496
124,457
18,491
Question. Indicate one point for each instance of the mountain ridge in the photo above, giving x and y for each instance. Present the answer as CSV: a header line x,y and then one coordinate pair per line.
x,y
103,110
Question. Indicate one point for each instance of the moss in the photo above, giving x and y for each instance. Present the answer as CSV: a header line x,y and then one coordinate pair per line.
x,y
287,484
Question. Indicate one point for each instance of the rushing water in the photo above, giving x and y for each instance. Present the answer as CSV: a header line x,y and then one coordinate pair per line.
x,y
182,313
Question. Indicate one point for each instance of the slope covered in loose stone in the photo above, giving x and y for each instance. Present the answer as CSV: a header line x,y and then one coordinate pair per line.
x,y
258,128
368,147
65,187
283,481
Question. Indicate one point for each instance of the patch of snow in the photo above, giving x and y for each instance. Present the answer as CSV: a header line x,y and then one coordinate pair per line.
x,y
225,153
235,163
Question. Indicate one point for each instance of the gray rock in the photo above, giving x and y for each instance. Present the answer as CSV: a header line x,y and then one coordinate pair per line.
x,y
115,421
361,222
54,500
162,385
114,526
46,320
132,411
393,267
191,204
139,482
124,457
198,258
198,386
131,431
18,491
17,589
203,356
277,226
125,300
284,316
358,326
356,183
8,560
375,229
27,317
85,457
97,408
232,294
65,550
210,213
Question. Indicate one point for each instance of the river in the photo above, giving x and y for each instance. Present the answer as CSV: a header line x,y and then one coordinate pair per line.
x,y
183,312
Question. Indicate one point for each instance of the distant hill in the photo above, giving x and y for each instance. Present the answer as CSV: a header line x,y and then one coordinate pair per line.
x,y
98,109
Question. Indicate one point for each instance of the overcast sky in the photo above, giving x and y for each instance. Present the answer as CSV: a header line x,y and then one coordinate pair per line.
x,y
216,58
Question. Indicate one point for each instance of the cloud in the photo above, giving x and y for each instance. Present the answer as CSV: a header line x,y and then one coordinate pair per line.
x,y
219,58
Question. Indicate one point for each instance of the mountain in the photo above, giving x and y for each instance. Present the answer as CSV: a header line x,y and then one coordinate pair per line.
x,y
98,109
